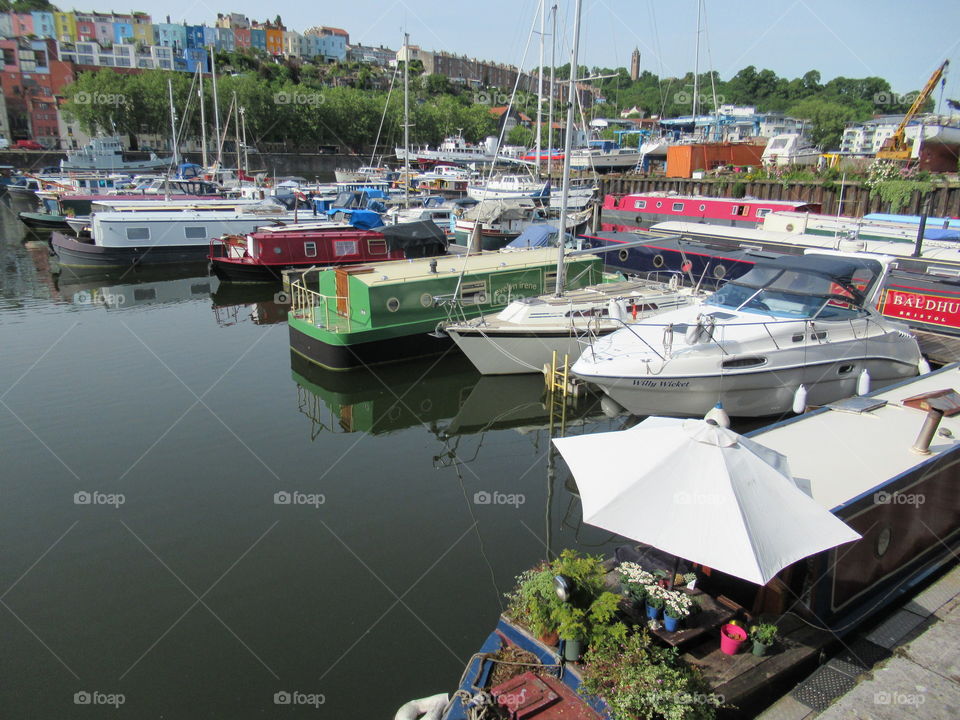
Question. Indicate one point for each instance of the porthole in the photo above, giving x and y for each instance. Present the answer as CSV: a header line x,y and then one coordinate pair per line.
x,y
658,261
393,304
277,250
623,255
719,271
426,300
789,227
883,542
702,208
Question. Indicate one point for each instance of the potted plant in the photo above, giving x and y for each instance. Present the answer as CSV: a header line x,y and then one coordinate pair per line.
x,y
676,609
635,580
572,628
656,598
533,602
763,636
732,638
690,580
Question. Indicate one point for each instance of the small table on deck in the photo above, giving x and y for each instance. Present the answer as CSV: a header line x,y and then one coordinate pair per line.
x,y
711,616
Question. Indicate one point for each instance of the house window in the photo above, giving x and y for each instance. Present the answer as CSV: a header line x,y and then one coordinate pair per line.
x,y
310,249
138,233
678,207
345,247
195,232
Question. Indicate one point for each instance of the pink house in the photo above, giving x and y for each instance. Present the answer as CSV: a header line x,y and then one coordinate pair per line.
x,y
21,24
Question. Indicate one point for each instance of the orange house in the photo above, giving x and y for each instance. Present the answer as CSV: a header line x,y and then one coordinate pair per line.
x,y
274,41
682,160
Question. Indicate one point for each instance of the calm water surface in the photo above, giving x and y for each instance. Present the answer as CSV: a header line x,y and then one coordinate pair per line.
x,y
184,584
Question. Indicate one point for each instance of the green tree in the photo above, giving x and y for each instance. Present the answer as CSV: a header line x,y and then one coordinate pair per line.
x,y
520,135
828,119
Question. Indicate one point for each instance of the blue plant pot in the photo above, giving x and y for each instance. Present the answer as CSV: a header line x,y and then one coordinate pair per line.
x,y
653,613
670,624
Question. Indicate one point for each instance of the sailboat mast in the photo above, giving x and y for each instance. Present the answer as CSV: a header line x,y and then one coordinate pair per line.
x,y
236,128
243,133
567,147
203,120
216,103
553,67
406,120
540,88
696,68
173,123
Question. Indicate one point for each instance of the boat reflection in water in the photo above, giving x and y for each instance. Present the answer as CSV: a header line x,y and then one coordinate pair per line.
x,y
259,303
118,290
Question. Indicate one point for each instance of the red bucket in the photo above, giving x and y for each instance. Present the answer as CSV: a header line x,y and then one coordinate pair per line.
x,y
732,638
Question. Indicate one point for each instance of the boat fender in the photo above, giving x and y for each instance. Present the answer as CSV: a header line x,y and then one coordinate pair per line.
x,y
718,415
610,407
800,400
428,708
863,382
693,332
923,367
614,310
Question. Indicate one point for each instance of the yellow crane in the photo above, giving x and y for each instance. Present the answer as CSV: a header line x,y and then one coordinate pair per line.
x,y
896,147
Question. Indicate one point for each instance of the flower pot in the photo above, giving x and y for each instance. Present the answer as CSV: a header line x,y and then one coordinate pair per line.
x,y
732,638
759,649
549,638
671,624
572,649
653,612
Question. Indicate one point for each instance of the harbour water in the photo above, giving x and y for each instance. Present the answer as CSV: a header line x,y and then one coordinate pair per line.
x,y
191,524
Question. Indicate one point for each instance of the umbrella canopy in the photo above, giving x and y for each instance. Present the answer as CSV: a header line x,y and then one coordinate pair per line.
x,y
701,492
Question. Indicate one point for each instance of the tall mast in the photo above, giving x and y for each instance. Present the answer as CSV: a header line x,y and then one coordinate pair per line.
x,y
203,119
236,128
216,104
696,69
567,147
406,120
553,67
540,89
243,133
173,123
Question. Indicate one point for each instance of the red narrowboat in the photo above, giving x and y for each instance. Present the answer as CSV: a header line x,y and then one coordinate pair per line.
x,y
262,255
641,210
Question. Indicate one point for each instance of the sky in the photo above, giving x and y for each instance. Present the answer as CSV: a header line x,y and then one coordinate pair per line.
x,y
900,41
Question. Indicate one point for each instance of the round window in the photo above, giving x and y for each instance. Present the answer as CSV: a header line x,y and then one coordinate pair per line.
x,y
277,250
789,227
393,304
658,261
702,208
623,255
426,300
719,271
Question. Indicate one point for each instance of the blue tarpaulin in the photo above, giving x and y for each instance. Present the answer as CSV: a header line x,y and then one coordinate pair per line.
x,y
535,236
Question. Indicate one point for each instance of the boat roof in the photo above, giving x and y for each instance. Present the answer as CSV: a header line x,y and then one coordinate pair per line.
x,y
846,455
732,201
400,271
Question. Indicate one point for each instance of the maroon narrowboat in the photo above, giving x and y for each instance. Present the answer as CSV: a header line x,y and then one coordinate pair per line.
x,y
641,210
261,256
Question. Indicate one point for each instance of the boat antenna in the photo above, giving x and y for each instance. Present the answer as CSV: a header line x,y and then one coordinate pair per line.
x,y
567,145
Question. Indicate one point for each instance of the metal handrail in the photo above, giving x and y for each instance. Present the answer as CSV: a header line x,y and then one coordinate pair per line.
x,y
305,304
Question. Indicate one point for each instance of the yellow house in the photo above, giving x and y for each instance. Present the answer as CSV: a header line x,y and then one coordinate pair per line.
x,y
65,26
143,28
274,41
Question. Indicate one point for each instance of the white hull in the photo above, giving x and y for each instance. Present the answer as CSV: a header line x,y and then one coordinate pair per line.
x,y
501,353
605,160
577,198
183,229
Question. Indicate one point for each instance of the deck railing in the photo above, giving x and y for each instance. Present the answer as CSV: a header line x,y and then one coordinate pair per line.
x,y
318,309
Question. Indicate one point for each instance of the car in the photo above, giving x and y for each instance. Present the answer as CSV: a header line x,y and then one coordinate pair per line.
x,y
27,145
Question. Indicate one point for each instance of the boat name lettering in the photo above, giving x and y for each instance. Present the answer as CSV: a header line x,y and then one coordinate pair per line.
x,y
663,384
922,308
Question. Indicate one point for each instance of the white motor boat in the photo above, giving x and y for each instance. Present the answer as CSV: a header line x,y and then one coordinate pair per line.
x,y
508,187
105,154
790,333
790,149
523,337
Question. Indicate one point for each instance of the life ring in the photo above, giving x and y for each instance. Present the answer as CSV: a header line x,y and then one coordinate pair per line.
x,y
428,708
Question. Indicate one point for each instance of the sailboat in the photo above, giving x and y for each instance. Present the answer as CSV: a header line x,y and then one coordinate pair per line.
x,y
523,337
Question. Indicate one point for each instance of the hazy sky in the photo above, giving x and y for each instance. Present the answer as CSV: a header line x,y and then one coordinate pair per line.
x,y
901,41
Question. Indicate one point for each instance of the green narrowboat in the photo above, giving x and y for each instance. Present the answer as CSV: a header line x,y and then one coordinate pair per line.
x,y
354,316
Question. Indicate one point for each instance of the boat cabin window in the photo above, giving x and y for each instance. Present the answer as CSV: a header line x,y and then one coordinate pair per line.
x,y
763,212
740,210
795,293
377,247
144,294
195,232
310,249
345,247
678,207
138,233
639,204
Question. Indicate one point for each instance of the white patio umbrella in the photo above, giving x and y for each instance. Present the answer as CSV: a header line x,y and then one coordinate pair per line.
x,y
701,492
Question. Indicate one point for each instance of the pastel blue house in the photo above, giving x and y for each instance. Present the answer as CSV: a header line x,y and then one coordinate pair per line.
x,y
43,24
170,35
122,31
258,38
